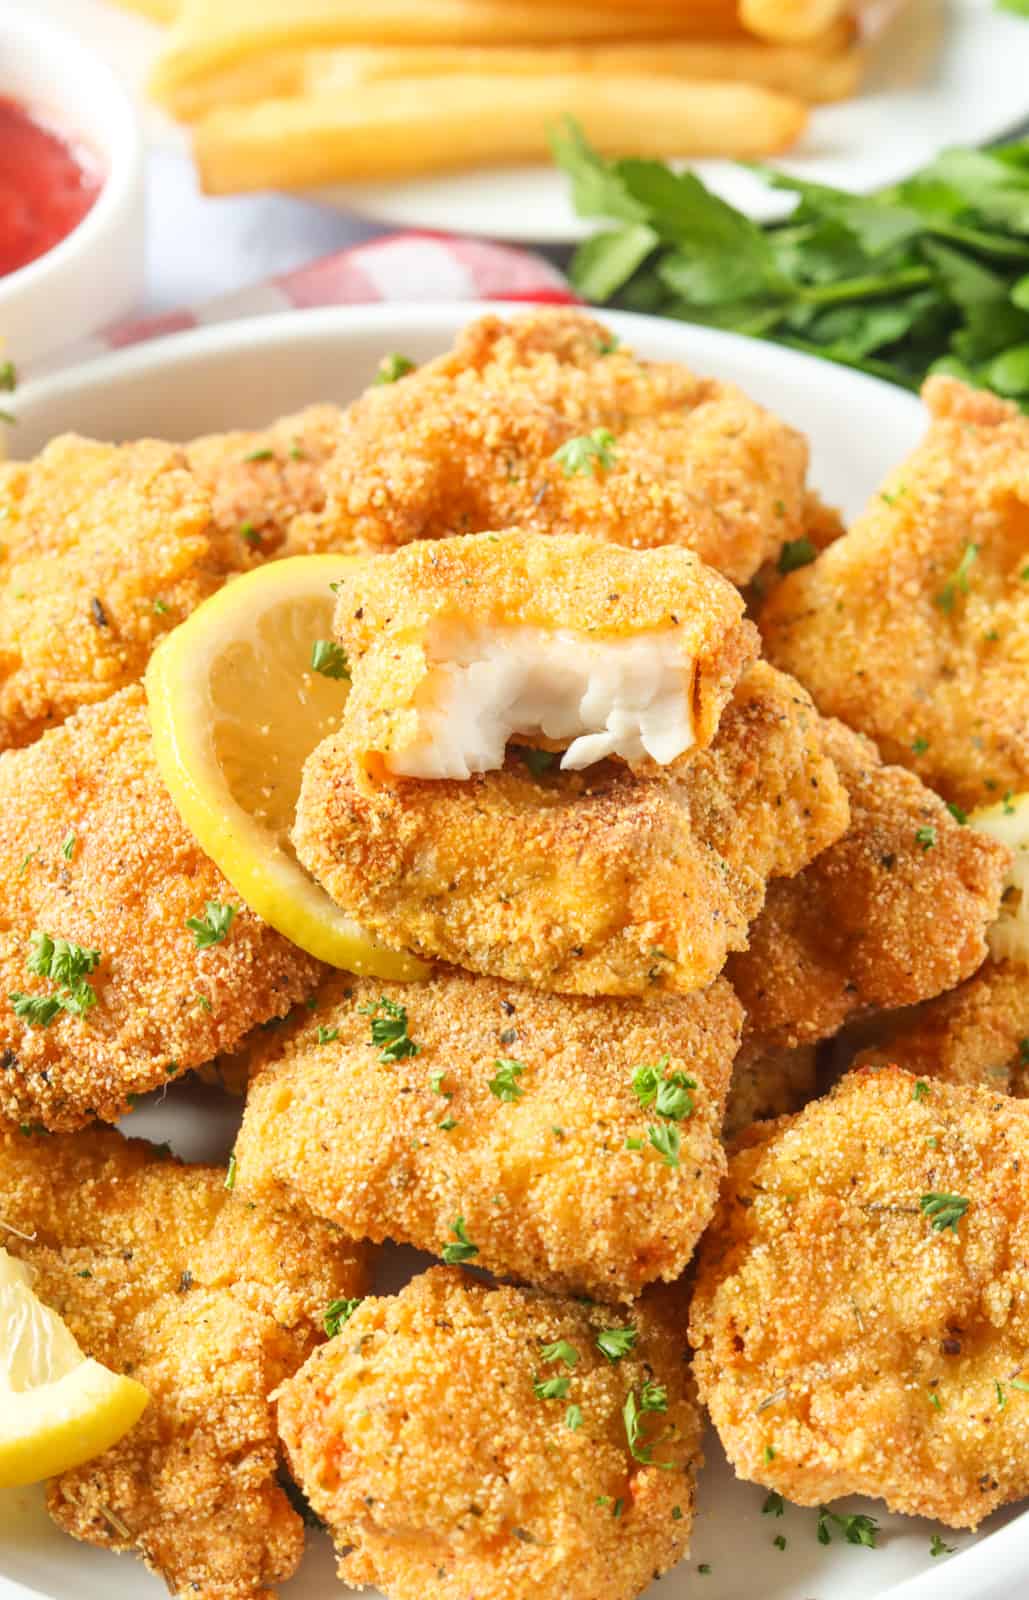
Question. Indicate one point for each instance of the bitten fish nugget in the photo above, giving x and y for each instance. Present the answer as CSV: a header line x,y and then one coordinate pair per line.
x,y
208,1301
577,1137
861,1315
914,628
457,646
464,1440
896,911
103,549
595,882
93,854
545,422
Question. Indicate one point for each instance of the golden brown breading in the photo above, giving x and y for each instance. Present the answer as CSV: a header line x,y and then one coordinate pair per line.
x,y
599,882
767,1082
915,627
421,1437
394,616
124,886
847,1340
103,549
259,481
208,1301
552,1168
894,912
467,443
976,1034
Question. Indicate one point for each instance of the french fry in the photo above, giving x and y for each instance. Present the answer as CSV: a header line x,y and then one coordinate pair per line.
x,y
411,127
207,37
827,69
790,21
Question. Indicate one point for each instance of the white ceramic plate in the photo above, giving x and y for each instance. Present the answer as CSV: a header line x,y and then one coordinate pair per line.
x,y
244,374
945,72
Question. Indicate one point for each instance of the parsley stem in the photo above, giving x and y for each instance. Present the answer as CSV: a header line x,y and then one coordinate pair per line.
x,y
882,283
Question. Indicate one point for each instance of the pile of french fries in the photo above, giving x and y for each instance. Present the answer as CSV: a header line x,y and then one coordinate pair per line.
x,y
296,93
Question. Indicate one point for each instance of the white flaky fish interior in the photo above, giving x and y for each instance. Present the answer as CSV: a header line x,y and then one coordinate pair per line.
x,y
1009,822
626,697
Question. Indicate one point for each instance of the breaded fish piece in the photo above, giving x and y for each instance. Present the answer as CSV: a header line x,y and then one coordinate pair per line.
x,y
860,1313
479,439
531,1116
103,549
458,645
914,628
464,1440
976,1034
258,482
896,911
768,1082
596,882
92,851
208,1301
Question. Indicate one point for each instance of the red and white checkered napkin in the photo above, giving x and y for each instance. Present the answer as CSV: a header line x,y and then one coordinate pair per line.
x,y
399,266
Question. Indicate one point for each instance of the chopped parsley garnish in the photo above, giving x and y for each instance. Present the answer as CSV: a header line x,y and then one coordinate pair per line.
x,y
436,1084
608,345
330,659
389,1030
614,1343
337,1312
264,454
956,812
704,1569
504,1083
957,583
935,1401
551,1388
327,1035
562,1351
447,1125
1008,804
537,761
573,1418
796,553
666,1141
230,1172
774,1505
586,452
670,1097
68,847
161,608
938,1548
213,926
392,367
66,964
856,1529
653,1397
1021,1384
919,746
769,1453
463,1249
1023,1051
248,533
921,1091
926,837
943,1210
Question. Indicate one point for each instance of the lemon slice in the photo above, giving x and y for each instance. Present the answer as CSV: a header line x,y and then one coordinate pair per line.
x,y
236,709
1008,821
58,1408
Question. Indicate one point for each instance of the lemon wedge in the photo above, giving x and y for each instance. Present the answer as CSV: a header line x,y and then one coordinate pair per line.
x,y
236,708
1008,821
58,1408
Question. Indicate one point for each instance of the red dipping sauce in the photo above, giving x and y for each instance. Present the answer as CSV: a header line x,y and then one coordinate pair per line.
x,y
46,187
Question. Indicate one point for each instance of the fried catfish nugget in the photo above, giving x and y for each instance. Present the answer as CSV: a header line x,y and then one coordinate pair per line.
x,y
578,1138
465,1440
861,1313
209,1302
544,422
459,645
595,882
103,549
259,482
914,628
896,911
92,852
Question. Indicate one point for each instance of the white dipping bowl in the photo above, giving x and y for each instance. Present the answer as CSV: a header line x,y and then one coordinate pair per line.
x,y
95,275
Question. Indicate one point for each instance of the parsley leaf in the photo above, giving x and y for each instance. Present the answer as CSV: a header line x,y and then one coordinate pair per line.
x,y
330,659
392,367
213,926
551,1388
586,453
464,1249
614,1343
670,1096
653,1397
562,1351
855,1529
573,1418
66,964
943,1210
926,837
503,1085
666,1142
68,846
389,1030
938,1548
958,581
338,1312
796,553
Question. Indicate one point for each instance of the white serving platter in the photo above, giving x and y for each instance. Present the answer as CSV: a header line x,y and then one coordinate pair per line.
x,y
243,374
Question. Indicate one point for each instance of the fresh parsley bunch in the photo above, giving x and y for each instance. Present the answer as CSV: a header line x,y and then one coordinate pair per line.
x,y
931,275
